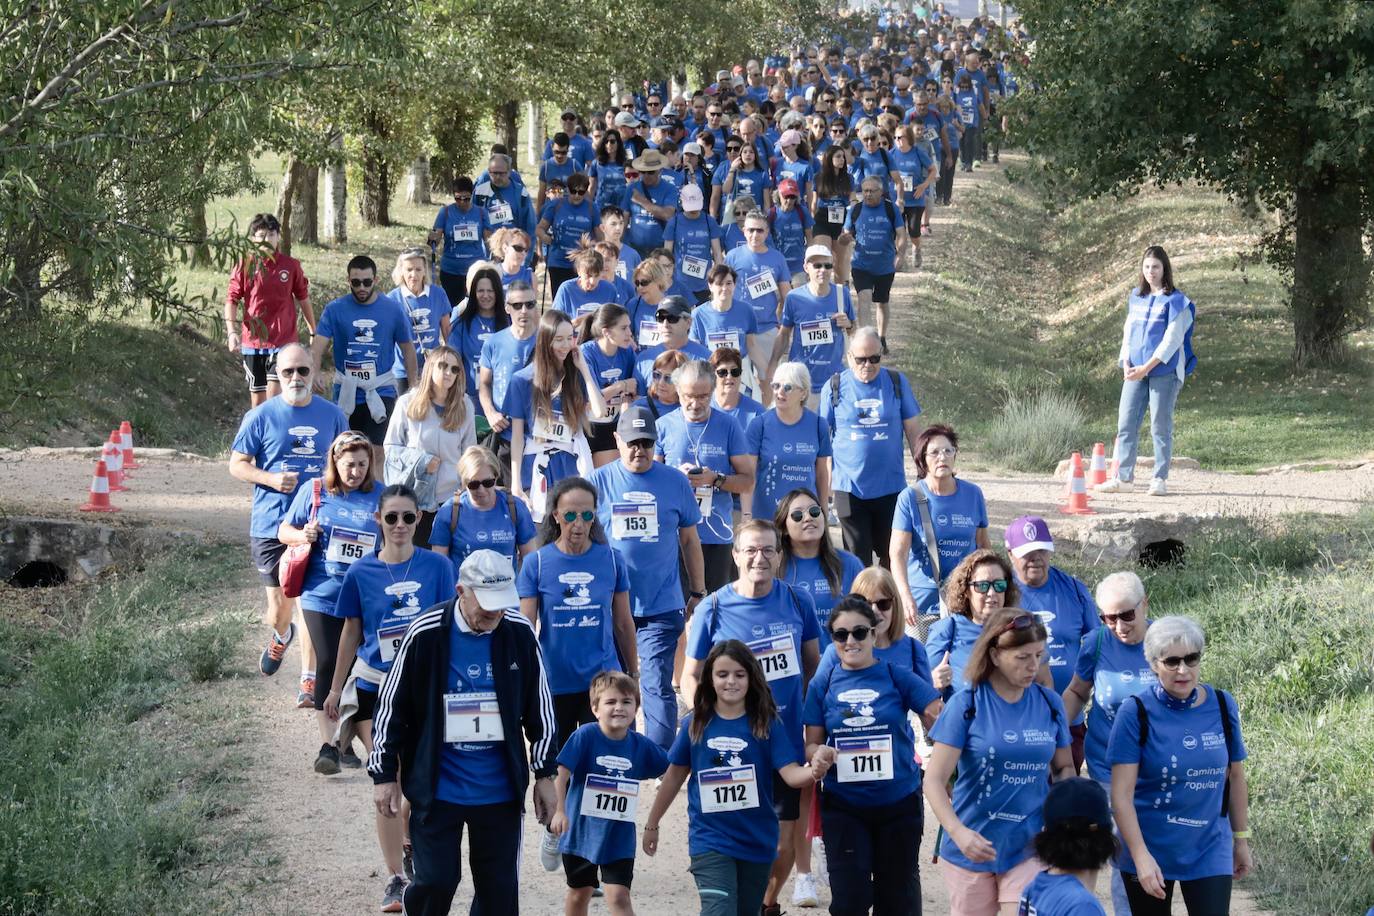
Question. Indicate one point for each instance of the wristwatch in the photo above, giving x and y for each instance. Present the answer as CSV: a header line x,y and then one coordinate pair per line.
x,y
696,595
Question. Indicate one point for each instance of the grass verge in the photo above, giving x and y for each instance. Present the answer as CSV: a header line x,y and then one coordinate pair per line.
x,y
123,745
1288,617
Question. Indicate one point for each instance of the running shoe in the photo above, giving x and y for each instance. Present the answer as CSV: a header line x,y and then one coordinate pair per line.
x,y
1158,487
391,897
349,759
1113,485
977,163
926,230
916,259
770,909
276,651
305,697
327,763
548,852
804,891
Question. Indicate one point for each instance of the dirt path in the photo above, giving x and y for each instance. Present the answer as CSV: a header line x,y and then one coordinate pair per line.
x,y
322,827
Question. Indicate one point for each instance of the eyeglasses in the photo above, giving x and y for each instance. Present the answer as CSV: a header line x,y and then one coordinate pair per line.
x,y
983,586
784,387
669,317
1125,617
722,372
627,108
298,371
560,151
946,452
860,633
1192,660
475,485
520,248
491,174
713,114
838,131
641,445
752,552
662,376
586,515
869,360
520,305
363,283
798,514
408,517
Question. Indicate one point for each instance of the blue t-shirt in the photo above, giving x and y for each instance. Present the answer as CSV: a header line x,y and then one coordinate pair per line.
x,y
956,519
760,277
868,434
692,251
786,456
468,338
463,238
744,411
610,183
1058,895
732,237
524,273
731,767
875,236
913,165
576,629
607,370
799,170
644,362
789,235
642,515
710,445
574,301
645,231
365,339
520,403
877,164
956,635
1116,672
753,182
816,340
551,169
1179,787
424,312
1004,768
966,102
807,574
472,772
347,534
625,266
279,437
715,329
568,222
482,529
504,354
906,653
601,765
1066,608
388,596
863,713
775,627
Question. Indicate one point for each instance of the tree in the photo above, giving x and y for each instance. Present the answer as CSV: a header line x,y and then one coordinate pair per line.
x,y
1270,101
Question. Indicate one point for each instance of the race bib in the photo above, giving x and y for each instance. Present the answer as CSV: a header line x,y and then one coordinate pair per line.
x,y
908,183
610,798
347,545
777,656
818,333
835,213
717,339
760,285
620,270
499,211
706,497
727,789
472,716
389,640
694,267
552,429
465,232
587,308
648,333
362,370
966,117
863,759
634,521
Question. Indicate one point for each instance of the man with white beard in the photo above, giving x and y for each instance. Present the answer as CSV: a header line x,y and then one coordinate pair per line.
x,y
280,446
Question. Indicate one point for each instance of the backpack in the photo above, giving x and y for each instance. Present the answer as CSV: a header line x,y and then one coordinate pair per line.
x,y
835,394
972,710
887,205
458,505
1225,730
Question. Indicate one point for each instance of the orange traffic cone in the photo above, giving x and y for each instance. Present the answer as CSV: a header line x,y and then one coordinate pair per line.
x,y
126,441
100,491
1077,501
1098,469
114,463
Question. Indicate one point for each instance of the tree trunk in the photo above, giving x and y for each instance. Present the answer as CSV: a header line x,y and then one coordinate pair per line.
x,y
1330,270
307,213
534,132
507,130
336,196
198,228
417,185
291,181
374,204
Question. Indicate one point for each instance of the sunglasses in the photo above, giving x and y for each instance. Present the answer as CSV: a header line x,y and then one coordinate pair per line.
x,y
732,149
826,265
873,360
671,319
784,387
983,586
521,305
299,371
586,515
1192,660
364,284
463,198
1124,617
644,282
729,373
1019,622
662,376
643,445
860,633
882,604
408,517
798,514
475,485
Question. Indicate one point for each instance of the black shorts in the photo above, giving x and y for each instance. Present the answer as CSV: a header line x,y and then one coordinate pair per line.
x,y
601,438
266,554
824,226
260,368
367,705
581,873
913,221
786,800
881,284
361,420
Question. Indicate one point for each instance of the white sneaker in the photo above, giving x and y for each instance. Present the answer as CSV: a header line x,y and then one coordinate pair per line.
x,y
548,852
1158,487
804,891
820,868
1113,485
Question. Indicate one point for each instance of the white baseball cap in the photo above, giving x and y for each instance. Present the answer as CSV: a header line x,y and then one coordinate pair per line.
x,y
491,577
818,251
691,197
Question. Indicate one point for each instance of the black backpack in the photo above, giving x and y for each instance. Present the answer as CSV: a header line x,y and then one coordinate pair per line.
x,y
835,394
1225,729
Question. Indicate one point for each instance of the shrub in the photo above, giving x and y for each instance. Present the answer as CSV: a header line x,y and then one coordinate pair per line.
x,y
1036,430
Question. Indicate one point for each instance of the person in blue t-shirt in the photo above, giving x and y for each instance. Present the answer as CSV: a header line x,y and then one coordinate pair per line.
x,y
337,520
424,304
280,447
674,314
367,331
856,719
1074,843
563,223
583,151
588,292
807,558
462,228
880,239
762,281
650,201
509,248
651,515
816,319
777,623
1009,737
790,444
381,596
728,365
600,769
914,161
792,226
476,318
607,172
979,586
488,516
1061,601
725,321
741,755
608,349
503,354
693,237
504,202
1178,781
972,108
745,176
559,165
1156,356
957,515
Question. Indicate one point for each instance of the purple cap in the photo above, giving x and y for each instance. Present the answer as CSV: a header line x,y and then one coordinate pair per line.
x,y
1027,533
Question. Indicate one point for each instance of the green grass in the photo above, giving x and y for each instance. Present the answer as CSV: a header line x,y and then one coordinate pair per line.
x,y
1033,299
1288,618
124,764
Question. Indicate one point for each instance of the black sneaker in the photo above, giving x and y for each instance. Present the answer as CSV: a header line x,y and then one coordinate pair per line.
x,y
392,897
327,764
349,759
883,341
774,909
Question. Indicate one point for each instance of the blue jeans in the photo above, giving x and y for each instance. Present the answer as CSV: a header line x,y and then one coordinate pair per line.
x,y
1120,905
1161,391
657,638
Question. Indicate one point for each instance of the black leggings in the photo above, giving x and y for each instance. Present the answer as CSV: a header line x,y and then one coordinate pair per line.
x,y
944,185
867,528
873,855
324,636
1201,896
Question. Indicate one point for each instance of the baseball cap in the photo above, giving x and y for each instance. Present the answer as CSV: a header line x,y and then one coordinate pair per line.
x,y
818,251
636,423
788,188
568,113
1027,533
790,138
1077,802
626,119
692,147
722,75
690,197
674,305
491,577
